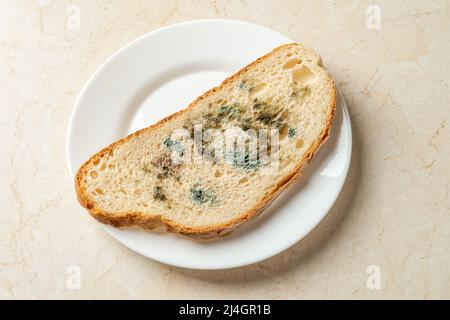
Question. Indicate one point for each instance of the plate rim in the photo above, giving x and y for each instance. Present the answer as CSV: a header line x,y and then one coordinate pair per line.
x,y
223,266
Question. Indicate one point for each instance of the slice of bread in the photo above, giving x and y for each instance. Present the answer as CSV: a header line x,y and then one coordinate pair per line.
x,y
136,181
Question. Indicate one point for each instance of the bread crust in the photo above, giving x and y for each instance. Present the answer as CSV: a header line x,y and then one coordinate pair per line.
x,y
151,221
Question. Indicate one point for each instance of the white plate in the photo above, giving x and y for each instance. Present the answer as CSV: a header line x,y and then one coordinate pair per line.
x,y
160,73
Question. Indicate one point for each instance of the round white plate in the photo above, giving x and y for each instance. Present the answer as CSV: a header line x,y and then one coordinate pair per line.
x,y
160,73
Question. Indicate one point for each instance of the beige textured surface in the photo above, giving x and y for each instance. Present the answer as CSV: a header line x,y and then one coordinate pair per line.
x,y
394,211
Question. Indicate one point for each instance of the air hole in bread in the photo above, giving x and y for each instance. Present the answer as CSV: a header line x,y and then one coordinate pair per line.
x,y
94,174
302,74
103,167
283,132
110,166
299,143
257,89
99,191
218,173
96,162
123,191
243,180
291,63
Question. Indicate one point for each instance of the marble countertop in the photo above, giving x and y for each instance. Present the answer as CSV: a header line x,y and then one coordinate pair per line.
x,y
388,234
